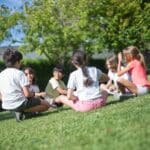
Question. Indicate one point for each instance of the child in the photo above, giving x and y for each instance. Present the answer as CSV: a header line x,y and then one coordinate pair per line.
x,y
16,96
56,86
111,87
85,80
139,83
33,87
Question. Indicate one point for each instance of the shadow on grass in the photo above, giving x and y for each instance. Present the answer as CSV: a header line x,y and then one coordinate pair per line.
x,y
119,101
5,115
53,111
49,112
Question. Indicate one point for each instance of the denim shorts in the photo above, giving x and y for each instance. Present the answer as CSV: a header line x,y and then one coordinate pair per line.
x,y
29,103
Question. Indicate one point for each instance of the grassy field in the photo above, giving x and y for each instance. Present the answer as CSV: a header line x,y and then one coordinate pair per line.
x,y
119,125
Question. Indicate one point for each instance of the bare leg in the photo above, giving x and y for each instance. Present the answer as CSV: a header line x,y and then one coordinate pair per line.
x,y
39,108
63,99
103,87
123,83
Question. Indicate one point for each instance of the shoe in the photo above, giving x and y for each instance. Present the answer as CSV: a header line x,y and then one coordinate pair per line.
x,y
120,96
117,96
56,105
18,115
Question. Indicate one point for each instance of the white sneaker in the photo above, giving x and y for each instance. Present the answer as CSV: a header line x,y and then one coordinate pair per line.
x,y
120,96
117,96
49,99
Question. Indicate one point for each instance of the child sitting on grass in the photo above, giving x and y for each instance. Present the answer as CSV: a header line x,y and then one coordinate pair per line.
x,y
14,91
112,87
136,67
56,86
33,87
85,80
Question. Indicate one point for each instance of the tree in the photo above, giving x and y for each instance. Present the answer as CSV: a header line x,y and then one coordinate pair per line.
x,y
56,27
120,23
7,21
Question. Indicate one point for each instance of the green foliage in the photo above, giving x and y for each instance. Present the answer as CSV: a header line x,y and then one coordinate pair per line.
x,y
120,23
7,20
55,28
118,125
2,66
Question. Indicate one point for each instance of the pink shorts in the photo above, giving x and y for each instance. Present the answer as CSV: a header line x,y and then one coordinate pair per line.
x,y
84,106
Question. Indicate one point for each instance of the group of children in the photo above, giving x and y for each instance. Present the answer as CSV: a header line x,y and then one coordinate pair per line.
x,y
87,87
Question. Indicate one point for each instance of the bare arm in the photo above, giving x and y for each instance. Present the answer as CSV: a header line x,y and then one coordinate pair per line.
x,y
43,94
119,62
62,91
70,95
109,83
27,93
124,70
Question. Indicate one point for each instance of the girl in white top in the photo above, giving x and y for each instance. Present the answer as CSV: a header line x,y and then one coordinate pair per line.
x,y
33,87
112,86
85,81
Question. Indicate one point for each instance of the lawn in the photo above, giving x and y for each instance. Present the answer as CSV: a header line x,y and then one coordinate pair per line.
x,y
119,125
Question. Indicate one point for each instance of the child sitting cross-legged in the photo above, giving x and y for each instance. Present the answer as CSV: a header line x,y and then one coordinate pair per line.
x,y
56,86
14,91
33,87
112,86
85,80
136,67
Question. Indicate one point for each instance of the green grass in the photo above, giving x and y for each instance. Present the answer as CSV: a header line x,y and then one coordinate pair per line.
x,y
119,125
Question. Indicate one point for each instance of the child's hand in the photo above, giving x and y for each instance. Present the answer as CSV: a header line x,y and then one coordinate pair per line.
x,y
43,94
40,94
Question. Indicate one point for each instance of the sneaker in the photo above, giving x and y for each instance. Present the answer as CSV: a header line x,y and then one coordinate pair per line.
x,y
18,115
56,105
117,96
120,96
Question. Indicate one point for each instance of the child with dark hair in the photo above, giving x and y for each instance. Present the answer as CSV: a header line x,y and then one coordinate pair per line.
x,y
56,86
33,87
85,80
15,94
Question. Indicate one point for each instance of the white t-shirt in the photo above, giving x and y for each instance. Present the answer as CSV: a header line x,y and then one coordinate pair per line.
x,y
11,83
34,88
114,77
76,79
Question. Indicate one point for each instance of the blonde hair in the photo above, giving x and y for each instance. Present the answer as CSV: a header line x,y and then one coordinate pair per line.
x,y
136,54
113,60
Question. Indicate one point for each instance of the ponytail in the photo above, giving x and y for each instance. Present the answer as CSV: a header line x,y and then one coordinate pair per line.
x,y
142,60
87,80
79,58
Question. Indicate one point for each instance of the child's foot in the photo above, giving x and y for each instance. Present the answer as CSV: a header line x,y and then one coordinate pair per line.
x,y
18,115
120,96
56,105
